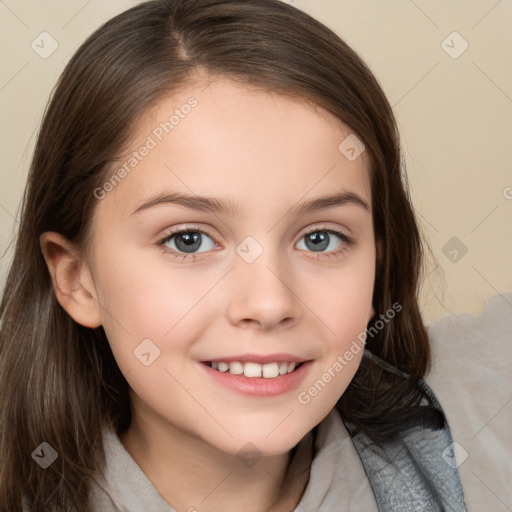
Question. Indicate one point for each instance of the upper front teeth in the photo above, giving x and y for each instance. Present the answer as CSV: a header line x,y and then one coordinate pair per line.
x,y
268,371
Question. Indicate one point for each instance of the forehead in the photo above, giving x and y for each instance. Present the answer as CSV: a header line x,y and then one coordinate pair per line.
x,y
224,138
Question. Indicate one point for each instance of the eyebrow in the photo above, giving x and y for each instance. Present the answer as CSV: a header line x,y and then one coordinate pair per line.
x,y
230,208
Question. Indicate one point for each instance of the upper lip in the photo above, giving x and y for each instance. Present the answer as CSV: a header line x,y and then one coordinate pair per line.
x,y
260,358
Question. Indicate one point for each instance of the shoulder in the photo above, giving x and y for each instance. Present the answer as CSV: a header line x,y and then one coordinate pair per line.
x,y
415,471
471,377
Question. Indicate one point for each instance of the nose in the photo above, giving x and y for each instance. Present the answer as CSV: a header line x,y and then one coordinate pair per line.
x,y
261,294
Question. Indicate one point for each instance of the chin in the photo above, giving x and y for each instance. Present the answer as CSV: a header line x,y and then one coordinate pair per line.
x,y
265,441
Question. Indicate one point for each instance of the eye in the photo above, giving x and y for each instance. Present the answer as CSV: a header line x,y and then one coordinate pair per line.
x,y
188,241
324,240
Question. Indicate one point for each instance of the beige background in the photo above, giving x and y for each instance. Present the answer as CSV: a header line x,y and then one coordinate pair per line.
x,y
454,115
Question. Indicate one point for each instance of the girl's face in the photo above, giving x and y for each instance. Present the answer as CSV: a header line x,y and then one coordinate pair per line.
x,y
237,233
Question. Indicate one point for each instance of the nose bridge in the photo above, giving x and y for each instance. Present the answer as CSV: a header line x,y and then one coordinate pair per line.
x,y
262,287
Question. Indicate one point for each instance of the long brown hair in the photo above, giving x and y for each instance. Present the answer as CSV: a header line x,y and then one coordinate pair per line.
x,y
59,381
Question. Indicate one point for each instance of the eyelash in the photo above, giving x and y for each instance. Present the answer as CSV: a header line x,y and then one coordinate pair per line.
x,y
346,242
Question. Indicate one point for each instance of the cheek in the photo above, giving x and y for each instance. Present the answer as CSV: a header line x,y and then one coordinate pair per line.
x,y
342,299
141,299
343,348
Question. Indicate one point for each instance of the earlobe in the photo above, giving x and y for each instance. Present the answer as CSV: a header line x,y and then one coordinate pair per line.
x,y
71,279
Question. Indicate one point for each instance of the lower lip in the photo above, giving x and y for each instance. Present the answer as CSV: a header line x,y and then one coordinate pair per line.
x,y
260,386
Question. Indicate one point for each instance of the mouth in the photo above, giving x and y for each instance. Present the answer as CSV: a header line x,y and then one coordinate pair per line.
x,y
250,369
259,376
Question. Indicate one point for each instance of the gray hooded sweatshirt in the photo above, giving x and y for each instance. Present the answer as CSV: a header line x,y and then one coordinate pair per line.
x,y
416,473
337,480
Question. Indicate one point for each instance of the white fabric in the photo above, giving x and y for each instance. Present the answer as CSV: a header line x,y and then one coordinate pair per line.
x,y
472,379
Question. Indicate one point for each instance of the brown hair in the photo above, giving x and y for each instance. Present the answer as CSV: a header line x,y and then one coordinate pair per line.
x,y
59,381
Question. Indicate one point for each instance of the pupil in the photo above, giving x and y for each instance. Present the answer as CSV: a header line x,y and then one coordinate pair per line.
x,y
189,241
317,241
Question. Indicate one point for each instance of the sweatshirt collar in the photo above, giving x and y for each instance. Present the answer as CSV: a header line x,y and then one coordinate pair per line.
x,y
329,486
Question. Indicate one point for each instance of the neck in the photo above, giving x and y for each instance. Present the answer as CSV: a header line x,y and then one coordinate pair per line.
x,y
192,475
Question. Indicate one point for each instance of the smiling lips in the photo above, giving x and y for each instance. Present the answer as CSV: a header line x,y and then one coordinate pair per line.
x,y
268,366
259,376
252,369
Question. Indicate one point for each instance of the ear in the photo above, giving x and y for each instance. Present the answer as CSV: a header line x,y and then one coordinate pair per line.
x,y
71,278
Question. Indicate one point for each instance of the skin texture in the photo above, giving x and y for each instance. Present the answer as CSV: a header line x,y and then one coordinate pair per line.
x,y
266,153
